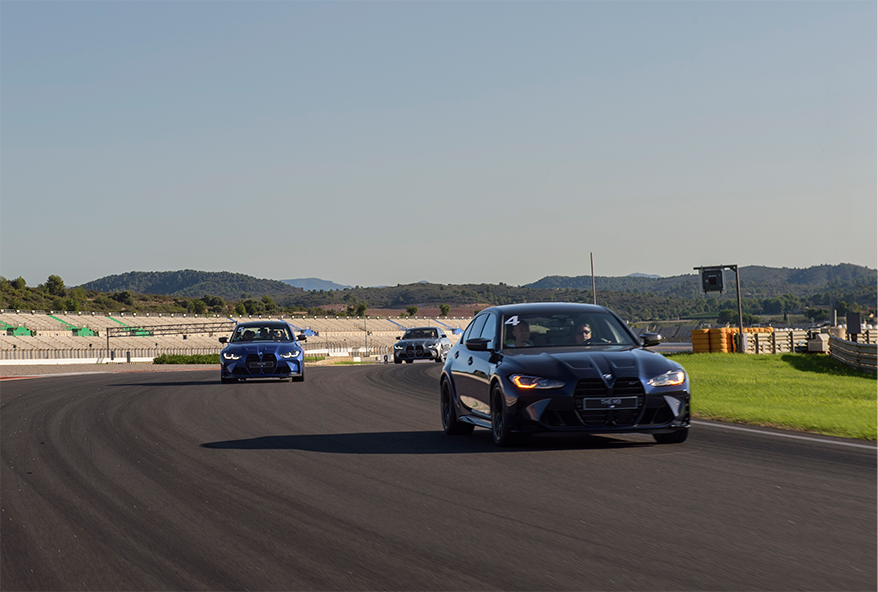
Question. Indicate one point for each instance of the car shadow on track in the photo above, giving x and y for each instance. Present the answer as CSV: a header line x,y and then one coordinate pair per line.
x,y
426,442
175,383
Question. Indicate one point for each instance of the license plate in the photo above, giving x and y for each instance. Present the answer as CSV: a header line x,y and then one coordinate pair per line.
x,y
610,403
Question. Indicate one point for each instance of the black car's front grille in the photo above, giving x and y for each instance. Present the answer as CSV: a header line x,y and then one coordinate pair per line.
x,y
590,399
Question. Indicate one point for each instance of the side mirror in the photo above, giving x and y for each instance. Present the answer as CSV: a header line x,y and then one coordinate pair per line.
x,y
302,337
224,339
477,344
650,339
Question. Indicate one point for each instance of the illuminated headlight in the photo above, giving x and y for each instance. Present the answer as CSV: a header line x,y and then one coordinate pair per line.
x,y
534,382
290,354
397,346
229,356
669,378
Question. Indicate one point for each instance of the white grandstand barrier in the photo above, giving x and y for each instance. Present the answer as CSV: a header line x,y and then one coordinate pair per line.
x,y
94,355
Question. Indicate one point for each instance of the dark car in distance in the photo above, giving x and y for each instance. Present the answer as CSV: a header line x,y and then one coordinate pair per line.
x,y
262,349
561,367
421,343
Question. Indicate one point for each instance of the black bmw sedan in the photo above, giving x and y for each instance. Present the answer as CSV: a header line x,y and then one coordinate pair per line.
x,y
562,367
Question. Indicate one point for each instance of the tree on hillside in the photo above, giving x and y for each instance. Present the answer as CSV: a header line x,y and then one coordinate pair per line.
x,y
411,310
730,317
55,286
444,309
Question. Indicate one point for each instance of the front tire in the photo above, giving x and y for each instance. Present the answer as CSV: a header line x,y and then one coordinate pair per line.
x,y
500,429
675,437
450,423
225,380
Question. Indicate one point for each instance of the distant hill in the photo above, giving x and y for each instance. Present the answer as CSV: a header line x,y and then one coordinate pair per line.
x,y
309,284
191,283
755,281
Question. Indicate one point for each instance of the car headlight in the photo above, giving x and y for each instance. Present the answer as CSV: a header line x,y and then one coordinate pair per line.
x,y
290,354
396,346
231,356
534,382
669,378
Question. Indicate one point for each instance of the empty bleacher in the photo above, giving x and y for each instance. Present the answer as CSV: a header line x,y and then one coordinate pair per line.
x,y
54,334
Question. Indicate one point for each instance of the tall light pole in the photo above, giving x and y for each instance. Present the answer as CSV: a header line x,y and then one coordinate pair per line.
x,y
594,294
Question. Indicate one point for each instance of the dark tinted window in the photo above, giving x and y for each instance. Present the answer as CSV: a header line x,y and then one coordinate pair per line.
x,y
475,327
552,327
420,334
489,331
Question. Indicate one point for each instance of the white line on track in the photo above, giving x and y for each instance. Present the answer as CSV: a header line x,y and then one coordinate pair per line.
x,y
779,435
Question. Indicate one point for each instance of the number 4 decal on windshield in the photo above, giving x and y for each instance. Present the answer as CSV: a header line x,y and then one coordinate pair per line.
x,y
513,320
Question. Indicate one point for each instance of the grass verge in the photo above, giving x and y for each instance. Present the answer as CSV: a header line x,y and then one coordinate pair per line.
x,y
806,392
194,359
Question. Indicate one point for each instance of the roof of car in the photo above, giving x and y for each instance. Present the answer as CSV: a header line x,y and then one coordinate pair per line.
x,y
537,307
265,323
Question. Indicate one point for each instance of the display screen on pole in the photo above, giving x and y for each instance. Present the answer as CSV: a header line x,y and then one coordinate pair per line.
x,y
712,279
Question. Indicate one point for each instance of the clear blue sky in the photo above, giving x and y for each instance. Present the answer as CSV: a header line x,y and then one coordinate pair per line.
x,y
375,143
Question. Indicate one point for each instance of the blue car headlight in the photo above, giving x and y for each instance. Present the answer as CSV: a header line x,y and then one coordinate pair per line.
x,y
290,354
669,378
534,382
231,356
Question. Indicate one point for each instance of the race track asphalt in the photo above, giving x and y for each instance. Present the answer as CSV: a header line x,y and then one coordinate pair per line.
x,y
173,481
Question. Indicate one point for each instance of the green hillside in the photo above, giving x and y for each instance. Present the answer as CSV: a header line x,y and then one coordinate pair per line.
x,y
757,281
191,283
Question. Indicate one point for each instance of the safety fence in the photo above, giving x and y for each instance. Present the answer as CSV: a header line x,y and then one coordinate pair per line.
x,y
759,340
123,355
852,353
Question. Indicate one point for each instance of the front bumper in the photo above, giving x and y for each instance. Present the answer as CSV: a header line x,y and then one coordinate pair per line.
x,y
261,367
417,352
601,413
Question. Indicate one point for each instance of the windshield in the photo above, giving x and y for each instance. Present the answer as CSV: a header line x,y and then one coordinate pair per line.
x,y
421,334
263,333
542,330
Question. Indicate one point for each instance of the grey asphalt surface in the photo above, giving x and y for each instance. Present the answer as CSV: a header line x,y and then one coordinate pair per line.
x,y
172,481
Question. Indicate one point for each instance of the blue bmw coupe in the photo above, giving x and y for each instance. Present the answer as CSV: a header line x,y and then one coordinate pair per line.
x,y
262,349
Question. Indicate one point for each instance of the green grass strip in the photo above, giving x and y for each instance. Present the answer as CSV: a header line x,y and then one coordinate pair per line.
x,y
806,392
193,359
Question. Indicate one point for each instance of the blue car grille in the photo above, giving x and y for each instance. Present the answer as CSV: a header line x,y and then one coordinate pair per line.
x,y
256,365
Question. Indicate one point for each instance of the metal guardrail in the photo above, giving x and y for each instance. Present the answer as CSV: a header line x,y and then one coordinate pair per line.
x,y
852,353
777,342
103,355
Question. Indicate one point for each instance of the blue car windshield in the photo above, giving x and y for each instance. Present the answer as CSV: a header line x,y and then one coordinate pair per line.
x,y
558,329
264,333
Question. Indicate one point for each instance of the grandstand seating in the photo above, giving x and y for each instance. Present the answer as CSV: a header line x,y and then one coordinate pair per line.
x,y
54,331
